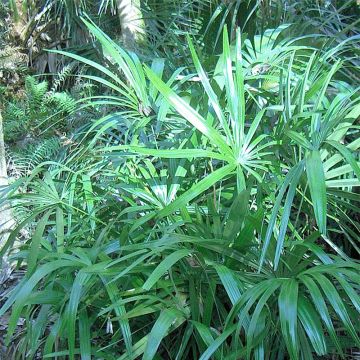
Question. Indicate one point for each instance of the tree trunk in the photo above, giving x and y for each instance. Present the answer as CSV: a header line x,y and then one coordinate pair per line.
x,y
3,176
6,220
20,17
132,23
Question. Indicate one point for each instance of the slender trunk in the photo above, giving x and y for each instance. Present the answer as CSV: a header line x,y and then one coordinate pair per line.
x,y
6,220
132,23
3,170
20,17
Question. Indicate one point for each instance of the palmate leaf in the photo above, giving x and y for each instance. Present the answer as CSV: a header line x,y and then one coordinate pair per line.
x,y
338,305
291,179
122,89
256,316
190,114
347,155
120,311
72,309
130,65
38,327
164,266
332,294
322,309
236,215
36,241
196,190
288,299
256,294
213,98
217,343
316,179
23,290
60,232
286,213
297,309
206,336
232,100
84,335
160,329
228,281
312,325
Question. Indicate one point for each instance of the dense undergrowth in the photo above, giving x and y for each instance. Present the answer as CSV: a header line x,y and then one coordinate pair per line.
x,y
199,210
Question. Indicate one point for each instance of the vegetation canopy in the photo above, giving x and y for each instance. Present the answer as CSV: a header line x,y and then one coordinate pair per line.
x,y
179,180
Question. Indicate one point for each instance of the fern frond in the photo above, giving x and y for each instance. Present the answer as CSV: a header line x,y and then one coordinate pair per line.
x,y
24,160
35,93
63,74
64,102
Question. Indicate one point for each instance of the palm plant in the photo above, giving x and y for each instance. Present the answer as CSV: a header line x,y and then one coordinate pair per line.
x,y
199,217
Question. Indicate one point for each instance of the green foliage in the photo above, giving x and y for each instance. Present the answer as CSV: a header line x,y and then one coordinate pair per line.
x,y
209,213
35,126
37,112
